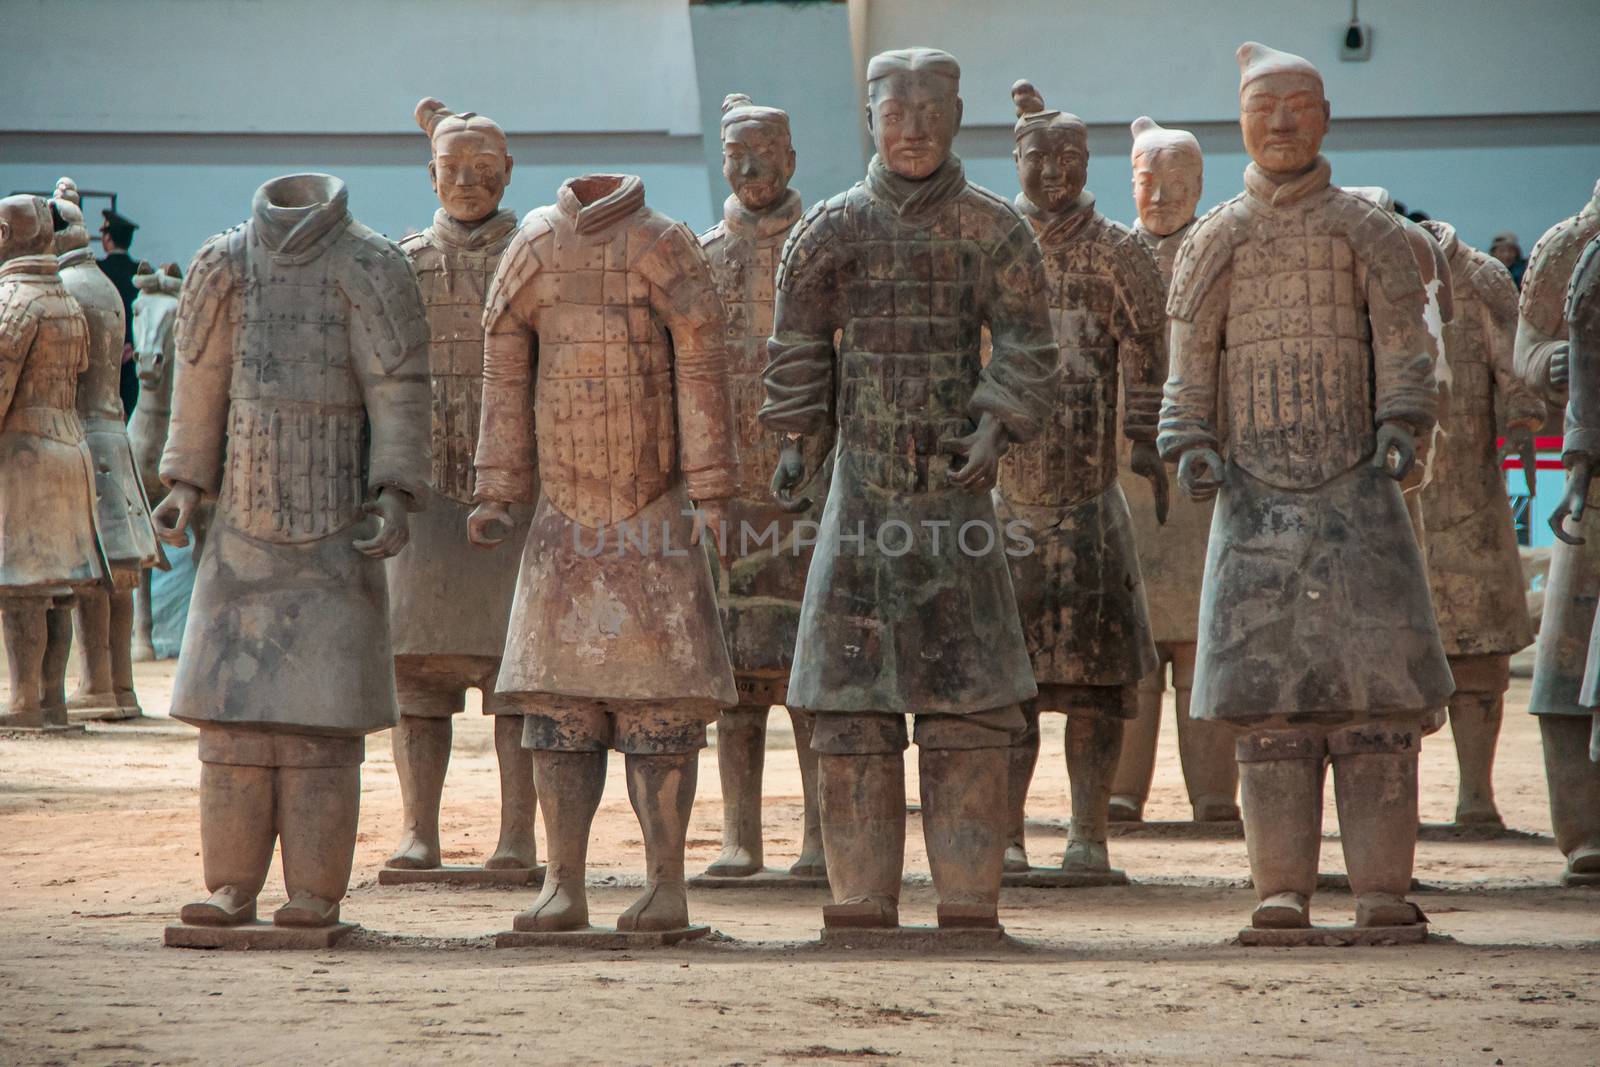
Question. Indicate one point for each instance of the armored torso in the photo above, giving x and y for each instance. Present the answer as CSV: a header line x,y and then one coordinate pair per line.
x,y
40,316
98,395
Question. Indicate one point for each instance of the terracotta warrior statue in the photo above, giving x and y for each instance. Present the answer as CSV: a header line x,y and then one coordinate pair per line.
x,y
1299,348
1079,590
908,603
448,600
1543,359
760,593
300,405
1581,445
1479,594
122,518
48,547
155,339
605,395
1167,172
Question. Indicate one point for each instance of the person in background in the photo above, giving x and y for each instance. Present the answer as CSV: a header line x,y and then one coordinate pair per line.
x,y
116,235
1507,250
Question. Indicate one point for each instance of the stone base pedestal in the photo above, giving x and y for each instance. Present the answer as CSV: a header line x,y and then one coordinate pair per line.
x,y
1227,830
598,938
1334,936
917,938
463,876
256,936
1056,878
766,878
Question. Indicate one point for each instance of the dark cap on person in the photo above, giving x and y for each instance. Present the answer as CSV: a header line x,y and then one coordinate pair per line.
x,y
119,227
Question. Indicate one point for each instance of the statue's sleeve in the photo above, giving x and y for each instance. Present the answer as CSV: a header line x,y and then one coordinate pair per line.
x,y
1139,324
1541,330
505,465
19,323
1018,385
208,326
389,346
1582,430
1404,369
1520,405
799,375
1197,309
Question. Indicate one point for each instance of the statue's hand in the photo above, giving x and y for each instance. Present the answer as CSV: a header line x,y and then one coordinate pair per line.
x,y
789,475
489,524
394,529
1397,439
175,512
1146,463
1558,366
1573,501
980,453
1519,442
1200,473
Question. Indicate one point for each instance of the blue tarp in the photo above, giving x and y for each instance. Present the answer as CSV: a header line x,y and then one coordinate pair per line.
x,y
169,600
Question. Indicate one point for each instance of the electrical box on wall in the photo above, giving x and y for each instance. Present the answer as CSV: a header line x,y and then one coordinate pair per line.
x,y
1356,45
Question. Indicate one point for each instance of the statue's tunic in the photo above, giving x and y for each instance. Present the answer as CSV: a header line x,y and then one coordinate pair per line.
x,y
1079,593
1474,570
301,391
155,343
1572,588
122,515
1300,307
760,593
606,343
899,615
1582,437
448,597
1172,556
47,504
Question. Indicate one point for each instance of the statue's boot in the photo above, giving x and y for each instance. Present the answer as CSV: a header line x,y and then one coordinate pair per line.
x,y
58,647
1475,724
1280,777
26,621
1021,760
518,847
569,785
96,688
813,861
1574,783
421,758
1136,766
741,757
121,647
964,827
1210,771
144,648
318,810
1094,742
661,789
863,803
1375,787
237,828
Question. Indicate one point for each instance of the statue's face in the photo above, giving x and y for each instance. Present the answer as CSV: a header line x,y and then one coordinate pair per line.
x,y
758,161
1052,165
470,172
914,116
1283,118
1166,189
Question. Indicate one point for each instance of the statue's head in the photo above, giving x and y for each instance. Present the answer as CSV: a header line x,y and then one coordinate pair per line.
x,y
1052,150
1283,112
1167,170
71,232
757,154
914,108
26,226
470,168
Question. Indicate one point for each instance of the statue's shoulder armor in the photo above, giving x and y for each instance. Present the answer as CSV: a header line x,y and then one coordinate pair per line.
x,y
827,222
205,303
1205,254
1380,241
1549,273
713,236
522,259
1138,277
669,252
1490,282
19,314
381,286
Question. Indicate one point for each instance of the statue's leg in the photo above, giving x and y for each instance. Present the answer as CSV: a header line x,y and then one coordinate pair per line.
x,y
1280,775
1205,749
569,772
1375,786
1476,710
962,768
1094,741
121,647
421,743
812,862
1136,766
862,796
95,686
518,847
238,825
27,629
1022,756
144,648
1574,783
741,751
318,810
662,749
58,648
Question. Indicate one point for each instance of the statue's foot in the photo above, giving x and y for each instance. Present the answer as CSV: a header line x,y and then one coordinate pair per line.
x,y
143,651
736,861
88,698
877,913
228,906
1584,860
1086,857
304,909
1282,911
415,854
1478,813
558,908
513,852
1016,859
811,864
664,906
1386,909
127,700
1126,809
1215,809
967,912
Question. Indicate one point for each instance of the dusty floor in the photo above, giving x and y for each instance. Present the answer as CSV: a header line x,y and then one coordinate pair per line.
x,y
99,847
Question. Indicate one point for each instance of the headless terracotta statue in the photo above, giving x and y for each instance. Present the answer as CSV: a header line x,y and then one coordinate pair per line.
x,y
1317,636
760,593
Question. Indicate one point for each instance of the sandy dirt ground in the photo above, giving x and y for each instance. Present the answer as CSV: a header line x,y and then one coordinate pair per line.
x,y
99,847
